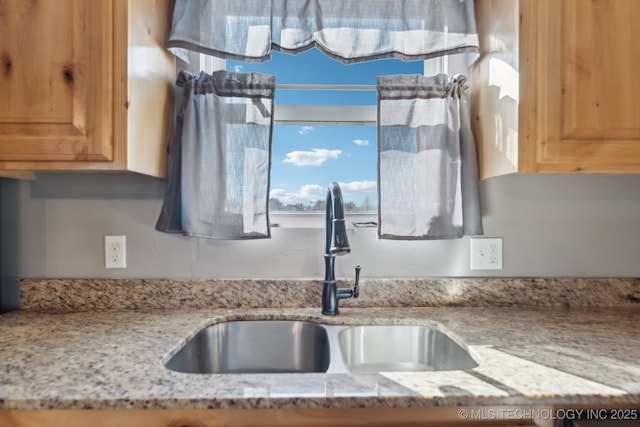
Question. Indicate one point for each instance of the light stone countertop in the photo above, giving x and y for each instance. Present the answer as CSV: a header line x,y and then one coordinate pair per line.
x,y
114,359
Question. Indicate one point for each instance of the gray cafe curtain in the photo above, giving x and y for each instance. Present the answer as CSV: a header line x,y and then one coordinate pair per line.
x,y
427,162
219,161
347,30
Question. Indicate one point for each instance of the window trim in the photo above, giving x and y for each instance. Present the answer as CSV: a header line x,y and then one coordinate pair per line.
x,y
338,115
313,220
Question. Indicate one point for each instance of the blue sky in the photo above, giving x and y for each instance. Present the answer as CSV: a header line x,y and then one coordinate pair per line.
x,y
305,159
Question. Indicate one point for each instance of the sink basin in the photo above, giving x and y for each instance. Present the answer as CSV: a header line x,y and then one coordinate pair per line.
x,y
374,348
289,346
278,346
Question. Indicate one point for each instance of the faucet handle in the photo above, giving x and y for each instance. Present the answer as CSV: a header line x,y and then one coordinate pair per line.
x,y
356,286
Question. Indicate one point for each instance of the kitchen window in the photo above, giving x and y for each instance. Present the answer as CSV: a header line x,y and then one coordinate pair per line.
x,y
361,36
325,129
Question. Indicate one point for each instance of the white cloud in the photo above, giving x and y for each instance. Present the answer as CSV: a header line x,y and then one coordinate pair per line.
x,y
359,187
306,193
305,130
238,68
317,157
311,193
361,142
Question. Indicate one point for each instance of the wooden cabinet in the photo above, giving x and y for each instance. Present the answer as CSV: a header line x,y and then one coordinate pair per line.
x,y
555,89
85,85
317,417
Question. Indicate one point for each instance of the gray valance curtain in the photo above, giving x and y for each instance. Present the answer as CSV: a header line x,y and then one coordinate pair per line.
x,y
219,162
348,30
428,170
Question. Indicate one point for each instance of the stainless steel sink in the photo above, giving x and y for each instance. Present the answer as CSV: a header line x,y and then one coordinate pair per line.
x,y
278,346
375,348
287,346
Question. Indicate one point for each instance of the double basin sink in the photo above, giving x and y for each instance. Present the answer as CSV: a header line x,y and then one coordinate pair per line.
x,y
289,346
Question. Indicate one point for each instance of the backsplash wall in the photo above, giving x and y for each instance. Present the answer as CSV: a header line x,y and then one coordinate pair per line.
x,y
551,225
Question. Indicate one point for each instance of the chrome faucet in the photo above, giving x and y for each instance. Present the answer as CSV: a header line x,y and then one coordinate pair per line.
x,y
336,244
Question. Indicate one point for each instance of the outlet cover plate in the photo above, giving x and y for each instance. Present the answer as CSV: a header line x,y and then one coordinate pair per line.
x,y
485,253
115,251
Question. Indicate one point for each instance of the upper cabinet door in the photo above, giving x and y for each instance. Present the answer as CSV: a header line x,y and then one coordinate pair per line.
x,y
56,80
587,63
556,88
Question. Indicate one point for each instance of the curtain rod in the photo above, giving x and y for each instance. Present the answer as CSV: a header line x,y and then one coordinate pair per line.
x,y
324,87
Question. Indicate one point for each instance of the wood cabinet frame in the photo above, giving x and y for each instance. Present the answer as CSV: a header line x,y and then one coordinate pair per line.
x,y
115,93
576,109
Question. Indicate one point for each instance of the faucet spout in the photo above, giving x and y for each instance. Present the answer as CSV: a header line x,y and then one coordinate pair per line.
x,y
336,244
336,231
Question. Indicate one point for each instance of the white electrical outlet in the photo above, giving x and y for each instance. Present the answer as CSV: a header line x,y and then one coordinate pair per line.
x,y
485,253
115,251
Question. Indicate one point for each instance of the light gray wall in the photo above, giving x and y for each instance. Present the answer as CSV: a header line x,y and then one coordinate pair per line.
x,y
552,225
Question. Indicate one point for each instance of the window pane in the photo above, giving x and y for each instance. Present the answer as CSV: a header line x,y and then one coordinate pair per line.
x,y
306,158
314,67
327,97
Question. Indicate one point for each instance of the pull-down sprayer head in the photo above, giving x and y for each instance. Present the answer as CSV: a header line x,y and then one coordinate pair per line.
x,y
336,230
